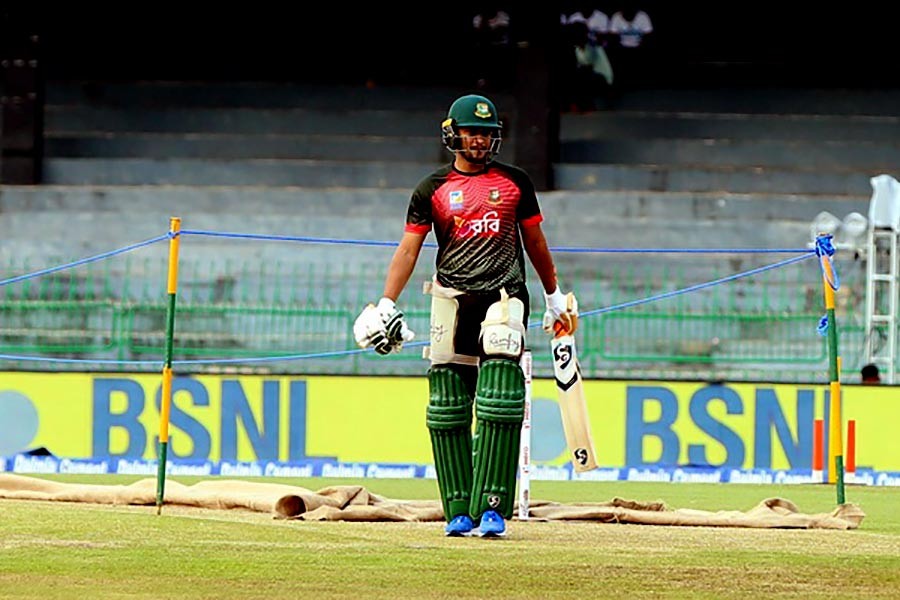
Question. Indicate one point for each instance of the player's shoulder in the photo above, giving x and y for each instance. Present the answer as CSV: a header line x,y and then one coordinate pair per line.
x,y
433,180
517,174
507,167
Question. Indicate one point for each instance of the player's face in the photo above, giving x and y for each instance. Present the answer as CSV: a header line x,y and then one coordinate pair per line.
x,y
476,143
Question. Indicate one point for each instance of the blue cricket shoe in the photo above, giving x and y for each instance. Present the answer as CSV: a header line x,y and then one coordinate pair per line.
x,y
492,524
459,526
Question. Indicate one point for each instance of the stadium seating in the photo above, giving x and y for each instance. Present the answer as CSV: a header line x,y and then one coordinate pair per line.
x,y
665,169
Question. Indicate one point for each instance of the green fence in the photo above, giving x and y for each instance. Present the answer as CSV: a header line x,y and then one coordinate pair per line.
x,y
240,315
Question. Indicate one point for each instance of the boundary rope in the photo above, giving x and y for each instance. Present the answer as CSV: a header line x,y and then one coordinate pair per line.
x,y
823,252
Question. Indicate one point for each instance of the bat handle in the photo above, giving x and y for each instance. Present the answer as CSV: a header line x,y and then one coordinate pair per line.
x,y
559,329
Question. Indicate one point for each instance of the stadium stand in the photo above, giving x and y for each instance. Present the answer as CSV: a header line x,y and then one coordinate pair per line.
x,y
700,166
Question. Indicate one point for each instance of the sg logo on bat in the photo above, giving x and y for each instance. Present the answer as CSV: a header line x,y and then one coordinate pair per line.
x,y
581,456
562,354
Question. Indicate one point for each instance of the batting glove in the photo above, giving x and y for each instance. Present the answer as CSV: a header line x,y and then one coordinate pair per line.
x,y
561,308
382,327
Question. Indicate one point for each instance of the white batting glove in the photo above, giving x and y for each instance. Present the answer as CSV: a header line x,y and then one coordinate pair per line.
x,y
562,309
382,327
367,325
394,323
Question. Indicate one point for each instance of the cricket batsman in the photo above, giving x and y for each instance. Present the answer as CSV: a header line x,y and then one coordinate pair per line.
x,y
485,217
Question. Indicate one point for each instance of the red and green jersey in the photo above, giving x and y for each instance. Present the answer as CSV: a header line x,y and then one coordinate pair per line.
x,y
476,220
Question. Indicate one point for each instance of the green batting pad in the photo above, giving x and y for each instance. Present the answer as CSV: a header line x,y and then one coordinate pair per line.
x,y
500,408
449,419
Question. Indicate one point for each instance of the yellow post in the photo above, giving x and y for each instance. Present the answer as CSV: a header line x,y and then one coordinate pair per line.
x,y
166,392
835,443
165,405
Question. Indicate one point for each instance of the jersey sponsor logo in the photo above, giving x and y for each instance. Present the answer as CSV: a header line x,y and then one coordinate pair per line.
x,y
488,223
456,200
494,197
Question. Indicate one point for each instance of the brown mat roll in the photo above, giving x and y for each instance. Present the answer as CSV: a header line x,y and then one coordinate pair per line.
x,y
356,503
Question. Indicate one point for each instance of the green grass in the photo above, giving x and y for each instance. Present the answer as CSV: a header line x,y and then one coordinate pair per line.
x,y
62,550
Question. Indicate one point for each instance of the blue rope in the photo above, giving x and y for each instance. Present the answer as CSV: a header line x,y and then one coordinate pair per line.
x,y
696,287
571,249
198,361
79,361
284,356
691,288
822,326
577,249
84,261
821,250
287,238
334,353
825,251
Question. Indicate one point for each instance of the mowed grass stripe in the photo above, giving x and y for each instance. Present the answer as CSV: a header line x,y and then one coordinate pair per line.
x,y
64,550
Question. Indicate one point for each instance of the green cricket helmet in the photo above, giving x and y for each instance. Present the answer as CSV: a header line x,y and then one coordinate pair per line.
x,y
471,111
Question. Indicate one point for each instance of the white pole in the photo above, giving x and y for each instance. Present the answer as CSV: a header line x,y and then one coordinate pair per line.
x,y
525,442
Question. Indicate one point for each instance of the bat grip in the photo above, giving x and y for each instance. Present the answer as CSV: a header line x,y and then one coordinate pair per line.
x,y
559,329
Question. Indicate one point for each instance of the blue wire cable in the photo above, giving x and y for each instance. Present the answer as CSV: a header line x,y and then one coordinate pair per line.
x,y
825,251
286,238
84,261
570,249
821,250
699,286
80,361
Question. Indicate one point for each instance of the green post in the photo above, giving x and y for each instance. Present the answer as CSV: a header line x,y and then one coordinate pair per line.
x,y
835,444
166,395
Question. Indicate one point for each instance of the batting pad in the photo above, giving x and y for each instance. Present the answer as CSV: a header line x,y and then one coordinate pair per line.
x,y
449,420
500,408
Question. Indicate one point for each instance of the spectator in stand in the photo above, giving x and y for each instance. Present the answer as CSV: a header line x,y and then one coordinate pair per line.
x,y
492,41
590,82
597,23
631,30
573,16
632,26
598,28
870,374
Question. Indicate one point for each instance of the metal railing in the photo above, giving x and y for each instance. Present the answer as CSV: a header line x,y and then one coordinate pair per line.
x,y
757,329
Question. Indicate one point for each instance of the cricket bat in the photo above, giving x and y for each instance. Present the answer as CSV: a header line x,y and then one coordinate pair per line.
x,y
572,404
